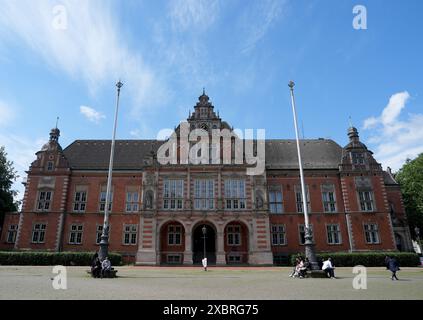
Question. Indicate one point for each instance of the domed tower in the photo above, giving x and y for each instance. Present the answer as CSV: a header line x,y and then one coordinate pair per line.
x,y
356,156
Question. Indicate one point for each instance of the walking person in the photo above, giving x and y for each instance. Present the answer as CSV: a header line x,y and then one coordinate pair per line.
x,y
393,266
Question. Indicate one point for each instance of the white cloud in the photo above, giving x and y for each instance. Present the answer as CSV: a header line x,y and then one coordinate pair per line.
x,y
7,113
91,114
91,47
260,19
394,140
193,14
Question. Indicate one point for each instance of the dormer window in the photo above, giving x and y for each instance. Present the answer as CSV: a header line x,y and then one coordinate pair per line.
x,y
50,166
357,158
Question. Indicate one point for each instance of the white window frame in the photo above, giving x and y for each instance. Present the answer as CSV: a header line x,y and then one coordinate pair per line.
x,y
103,195
333,231
234,235
371,229
76,232
80,201
299,199
275,200
12,231
40,231
173,194
278,233
204,194
45,200
174,235
364,201
235,194
130,234
132,203
329,199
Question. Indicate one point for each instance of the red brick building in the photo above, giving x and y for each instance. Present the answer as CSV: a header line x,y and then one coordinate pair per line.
x,y
158,211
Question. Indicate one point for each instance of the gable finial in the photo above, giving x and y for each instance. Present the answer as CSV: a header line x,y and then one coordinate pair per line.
x,y
57,122
350,121
204,91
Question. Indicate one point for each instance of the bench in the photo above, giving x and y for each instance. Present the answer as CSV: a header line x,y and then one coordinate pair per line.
x,y
317,274
109,274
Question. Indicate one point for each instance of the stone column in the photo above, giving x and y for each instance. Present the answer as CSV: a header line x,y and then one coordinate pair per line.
x,y
188,248
220,253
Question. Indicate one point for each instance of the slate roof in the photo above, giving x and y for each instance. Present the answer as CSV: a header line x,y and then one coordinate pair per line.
x,y
130,154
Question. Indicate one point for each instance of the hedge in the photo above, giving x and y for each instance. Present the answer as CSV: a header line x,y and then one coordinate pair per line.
x,y
21,258
367,259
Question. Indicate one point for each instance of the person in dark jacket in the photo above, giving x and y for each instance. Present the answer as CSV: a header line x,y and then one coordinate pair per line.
x,y
96,266
393,266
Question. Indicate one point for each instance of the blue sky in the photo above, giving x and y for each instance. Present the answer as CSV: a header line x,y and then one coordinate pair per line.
x,y
243,53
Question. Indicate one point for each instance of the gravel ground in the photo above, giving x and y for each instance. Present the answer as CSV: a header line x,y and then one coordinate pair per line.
x,y
167,283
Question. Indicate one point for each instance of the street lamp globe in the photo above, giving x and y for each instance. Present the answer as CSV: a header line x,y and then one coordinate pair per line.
x,y
204,229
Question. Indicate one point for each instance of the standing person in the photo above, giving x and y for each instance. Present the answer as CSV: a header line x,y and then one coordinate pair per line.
x,y
329,268
393,266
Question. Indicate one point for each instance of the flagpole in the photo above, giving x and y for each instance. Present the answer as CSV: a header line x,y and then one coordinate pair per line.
x,y
104,243
308,233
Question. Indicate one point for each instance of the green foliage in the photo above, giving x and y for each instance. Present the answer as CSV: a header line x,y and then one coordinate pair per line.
x,y
410,177
367,259
7,176
35,258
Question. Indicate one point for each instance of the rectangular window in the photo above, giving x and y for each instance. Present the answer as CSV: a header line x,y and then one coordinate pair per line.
x,y
11,233
174,258
132,201
99,232
234,258
234,235
328,197
299,199
173,194
50,166
204,194
366,200
44,200
103,195
302,233
80,199
75,235
357,158
278,235
235,194
275,200
38,232
130,232
372,233
333,233
174,235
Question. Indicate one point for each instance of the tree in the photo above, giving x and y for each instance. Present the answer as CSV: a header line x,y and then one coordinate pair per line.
x,y
7,176
410,177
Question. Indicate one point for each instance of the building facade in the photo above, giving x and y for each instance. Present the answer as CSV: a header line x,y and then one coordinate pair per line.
x,y
159,212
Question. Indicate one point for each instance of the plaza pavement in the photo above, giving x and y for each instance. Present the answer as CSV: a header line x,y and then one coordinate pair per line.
x,y
218,283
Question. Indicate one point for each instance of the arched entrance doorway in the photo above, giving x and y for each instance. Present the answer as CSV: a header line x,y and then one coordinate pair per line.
x,y
172,243
198,244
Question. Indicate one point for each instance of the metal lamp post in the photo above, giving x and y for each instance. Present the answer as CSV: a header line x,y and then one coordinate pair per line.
x,y
104,243
204,230
308,233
